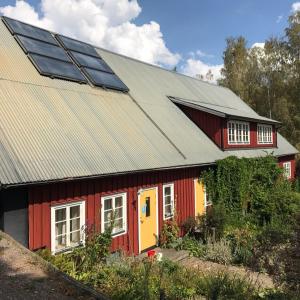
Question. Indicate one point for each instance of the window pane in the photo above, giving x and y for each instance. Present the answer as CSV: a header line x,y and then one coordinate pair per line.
x,y
118,226
107,204
167,200
75,237
75,224
60,228
118,201
108,216
167,190
168,210
74,211
60,214
60,242
118,213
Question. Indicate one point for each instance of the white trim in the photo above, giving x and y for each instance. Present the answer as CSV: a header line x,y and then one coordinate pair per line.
x,y
263,127
82,224
139,225
124,206
171,185
236,123
287,167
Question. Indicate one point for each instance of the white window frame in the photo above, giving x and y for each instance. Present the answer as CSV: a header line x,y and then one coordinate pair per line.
x,y
67,206
287,169
264,134
207,203
115,233
239,131
171,185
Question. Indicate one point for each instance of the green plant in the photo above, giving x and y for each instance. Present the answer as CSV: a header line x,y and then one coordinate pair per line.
x,y
195,247
221,286
219,252
169,234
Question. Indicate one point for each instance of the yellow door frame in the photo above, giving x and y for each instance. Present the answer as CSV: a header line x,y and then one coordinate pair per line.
x,y
139,212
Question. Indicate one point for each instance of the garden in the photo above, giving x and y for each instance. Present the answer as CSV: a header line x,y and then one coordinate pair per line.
x,y
254,222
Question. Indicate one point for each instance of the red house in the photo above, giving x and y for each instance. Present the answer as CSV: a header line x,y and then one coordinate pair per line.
x,y
87,134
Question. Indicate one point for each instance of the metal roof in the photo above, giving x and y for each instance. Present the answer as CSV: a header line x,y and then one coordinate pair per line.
x,y
223,111
53,129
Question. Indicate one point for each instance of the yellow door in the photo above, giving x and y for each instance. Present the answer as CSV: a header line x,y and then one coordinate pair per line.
x,y
148,218
199,197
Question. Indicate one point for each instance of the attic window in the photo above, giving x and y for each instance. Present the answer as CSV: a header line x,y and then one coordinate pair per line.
x,y
264,134
238,132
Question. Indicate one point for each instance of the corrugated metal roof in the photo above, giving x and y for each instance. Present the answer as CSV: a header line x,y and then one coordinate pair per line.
x,y
53,129
223,111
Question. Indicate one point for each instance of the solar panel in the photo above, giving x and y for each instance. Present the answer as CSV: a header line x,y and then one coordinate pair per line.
x,y
91,62
104,79
74,45
17,27
33,46
55,68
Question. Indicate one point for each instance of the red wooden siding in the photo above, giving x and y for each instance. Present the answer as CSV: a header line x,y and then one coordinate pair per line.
x,y
210,124
216,129
42,197
288,158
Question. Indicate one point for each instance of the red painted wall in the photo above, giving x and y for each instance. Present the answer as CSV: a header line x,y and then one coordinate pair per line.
x,y
42,197
210,124
216,127
288,158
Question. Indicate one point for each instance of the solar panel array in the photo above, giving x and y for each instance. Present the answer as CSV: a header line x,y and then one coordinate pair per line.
x,y
91,64
62,57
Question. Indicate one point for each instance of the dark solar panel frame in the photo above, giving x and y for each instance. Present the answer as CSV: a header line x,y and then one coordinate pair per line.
x,y
77,76
91,62
115,82
42,48
18,27
77,46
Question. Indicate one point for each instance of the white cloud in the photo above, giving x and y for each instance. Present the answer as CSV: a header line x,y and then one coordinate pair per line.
x,y
104,23
258,45
295,7
197,68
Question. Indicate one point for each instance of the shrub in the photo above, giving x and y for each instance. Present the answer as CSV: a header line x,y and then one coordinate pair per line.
x,y
169,234
223,286
219,252
195,247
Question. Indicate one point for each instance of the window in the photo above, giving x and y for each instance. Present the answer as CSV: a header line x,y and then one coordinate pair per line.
x,y
67,226
114,213
168,201
238,132
207,198
287,170
264,134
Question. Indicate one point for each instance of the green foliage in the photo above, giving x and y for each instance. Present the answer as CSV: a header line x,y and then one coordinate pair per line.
x,y
252,186
169,234
223,286
268,78
219,251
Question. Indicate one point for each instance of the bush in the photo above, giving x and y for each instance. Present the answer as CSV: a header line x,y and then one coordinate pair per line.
x,y
169,234
219,252
223,286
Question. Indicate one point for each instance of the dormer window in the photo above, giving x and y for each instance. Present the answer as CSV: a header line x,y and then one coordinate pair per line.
x,y
264,134
238,132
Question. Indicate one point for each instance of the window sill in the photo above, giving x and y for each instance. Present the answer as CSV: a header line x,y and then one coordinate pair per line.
x,y
113,235
168,217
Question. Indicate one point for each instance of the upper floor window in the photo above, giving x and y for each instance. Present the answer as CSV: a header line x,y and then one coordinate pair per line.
x,y
264,134
67,226
114,213
168,200
238,132
287,169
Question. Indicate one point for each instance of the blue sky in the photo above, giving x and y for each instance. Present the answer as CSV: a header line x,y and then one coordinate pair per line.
x,y
190,34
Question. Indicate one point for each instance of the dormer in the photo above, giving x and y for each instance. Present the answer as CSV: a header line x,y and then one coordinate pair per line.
x,y
230,128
